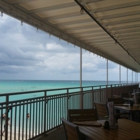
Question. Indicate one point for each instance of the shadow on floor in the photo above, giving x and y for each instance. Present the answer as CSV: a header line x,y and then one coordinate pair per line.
x,y
55,135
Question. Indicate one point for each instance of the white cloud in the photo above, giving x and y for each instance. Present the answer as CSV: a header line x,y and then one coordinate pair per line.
x,y
27,54
54,47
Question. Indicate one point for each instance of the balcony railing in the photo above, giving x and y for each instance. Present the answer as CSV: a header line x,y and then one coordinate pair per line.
x,y
47,107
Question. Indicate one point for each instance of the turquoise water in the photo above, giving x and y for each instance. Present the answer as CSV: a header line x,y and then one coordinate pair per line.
x,y
8,86
11,86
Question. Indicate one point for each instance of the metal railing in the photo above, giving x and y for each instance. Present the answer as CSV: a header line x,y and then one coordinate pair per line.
x,y
34,113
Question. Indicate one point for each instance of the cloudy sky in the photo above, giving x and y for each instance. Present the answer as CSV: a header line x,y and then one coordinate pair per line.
x,y
26,53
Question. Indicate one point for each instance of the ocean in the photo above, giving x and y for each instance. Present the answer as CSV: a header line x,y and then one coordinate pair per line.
x,y
8,86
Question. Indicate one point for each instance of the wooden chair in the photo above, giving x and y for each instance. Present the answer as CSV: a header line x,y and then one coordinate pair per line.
x,y
101,109
125,95
71,130
116,96
116,100
82,115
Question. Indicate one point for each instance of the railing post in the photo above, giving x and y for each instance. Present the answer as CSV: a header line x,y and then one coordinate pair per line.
x,y
111,91
45,95
6,119
67,102
100,94
81,98
67,99
92,97
106,93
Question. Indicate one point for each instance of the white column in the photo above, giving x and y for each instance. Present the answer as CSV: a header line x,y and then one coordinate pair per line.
x,y
81,97
135,78
80,67
138,77
127,75
107,71
120,74
132,76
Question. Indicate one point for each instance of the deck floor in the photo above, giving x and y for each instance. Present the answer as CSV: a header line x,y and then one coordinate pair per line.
x,y
55,135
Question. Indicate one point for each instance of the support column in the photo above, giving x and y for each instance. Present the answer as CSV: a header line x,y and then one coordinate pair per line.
x,y
81,97
132,76
127,75
107,72
137,76
120,74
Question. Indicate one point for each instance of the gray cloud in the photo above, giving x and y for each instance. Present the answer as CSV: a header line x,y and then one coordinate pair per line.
x,y
28,54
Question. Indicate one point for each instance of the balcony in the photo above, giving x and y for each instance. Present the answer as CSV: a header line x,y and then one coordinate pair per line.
x,y
47,107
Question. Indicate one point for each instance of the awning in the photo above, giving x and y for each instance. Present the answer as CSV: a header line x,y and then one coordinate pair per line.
x,y
108,28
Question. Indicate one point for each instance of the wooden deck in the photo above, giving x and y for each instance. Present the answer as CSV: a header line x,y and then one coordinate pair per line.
x,y
57,134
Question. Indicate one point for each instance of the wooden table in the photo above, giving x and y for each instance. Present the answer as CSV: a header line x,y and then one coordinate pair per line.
x,y
131,109
127,130
129,99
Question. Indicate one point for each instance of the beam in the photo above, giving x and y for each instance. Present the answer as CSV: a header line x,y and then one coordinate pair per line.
x,y
119,22
67,15
84,30
19,1
115,7
126,31
89,1
73,22
112,16
124,27
54,7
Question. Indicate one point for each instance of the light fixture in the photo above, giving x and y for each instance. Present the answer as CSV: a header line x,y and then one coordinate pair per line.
x,y
21,23
1,13
82,10
37,29
49,35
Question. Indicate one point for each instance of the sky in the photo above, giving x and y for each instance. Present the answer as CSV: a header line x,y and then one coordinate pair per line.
x,y
30,54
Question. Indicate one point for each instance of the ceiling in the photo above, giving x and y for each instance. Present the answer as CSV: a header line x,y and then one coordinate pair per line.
x,y
109,28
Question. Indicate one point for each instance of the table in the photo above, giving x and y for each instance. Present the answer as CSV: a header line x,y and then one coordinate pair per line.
x,y
127,130
129,99
131,109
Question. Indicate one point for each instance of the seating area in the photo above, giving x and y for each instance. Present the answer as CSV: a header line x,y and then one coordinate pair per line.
x,y
97,116
84,124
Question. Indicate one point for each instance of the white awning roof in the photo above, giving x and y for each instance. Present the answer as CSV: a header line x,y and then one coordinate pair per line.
x,y
109,28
